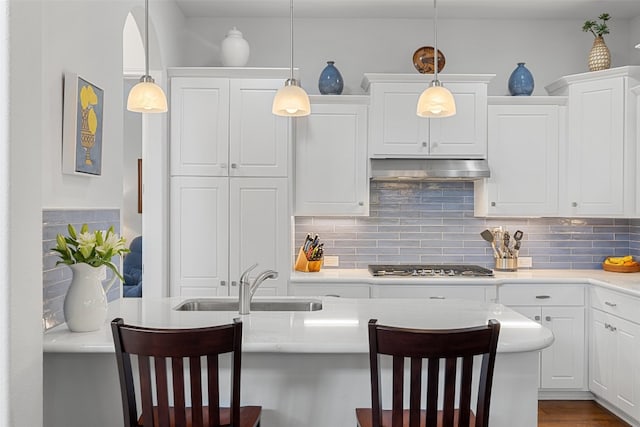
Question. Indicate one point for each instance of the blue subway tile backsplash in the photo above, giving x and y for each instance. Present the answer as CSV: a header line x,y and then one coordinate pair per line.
x,y
433,222
56,279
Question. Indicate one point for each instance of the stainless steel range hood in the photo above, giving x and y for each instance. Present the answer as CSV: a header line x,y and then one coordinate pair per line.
x,y
429,169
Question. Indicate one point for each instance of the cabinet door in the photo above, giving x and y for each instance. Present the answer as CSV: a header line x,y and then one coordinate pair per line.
x,y
535,314
395,127
199,236
331,161
626,372
199,121
523,150
258,139
259,230
563,362
595,151
463,135
601,355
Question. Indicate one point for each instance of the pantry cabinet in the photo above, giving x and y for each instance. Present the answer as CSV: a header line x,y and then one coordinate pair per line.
x,y
525,135
220,227
600,153
561,309
229,197
614,373
331,157
224,127
396,131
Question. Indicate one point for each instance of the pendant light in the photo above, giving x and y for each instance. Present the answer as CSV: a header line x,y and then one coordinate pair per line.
x,y
436,100
147,96
291,100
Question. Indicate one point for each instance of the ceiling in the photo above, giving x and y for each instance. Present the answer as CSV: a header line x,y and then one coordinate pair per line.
x,y
494,9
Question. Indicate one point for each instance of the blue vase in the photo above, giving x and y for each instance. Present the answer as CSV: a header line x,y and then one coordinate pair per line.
x,y
330,81
521,81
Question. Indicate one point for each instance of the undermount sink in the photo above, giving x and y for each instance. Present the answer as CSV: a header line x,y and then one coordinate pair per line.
x,y
211,304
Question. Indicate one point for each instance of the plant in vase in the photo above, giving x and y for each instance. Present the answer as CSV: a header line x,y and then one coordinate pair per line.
x,y
88,254
599,56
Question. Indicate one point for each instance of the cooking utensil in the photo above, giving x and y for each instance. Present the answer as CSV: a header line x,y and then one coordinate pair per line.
x,y
518,237
505,241
488,236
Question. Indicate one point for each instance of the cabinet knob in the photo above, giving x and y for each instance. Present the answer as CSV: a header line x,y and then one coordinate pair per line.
x,y
223,283
610,304
547,318
424,143
536,318
234,283
360,203
574,204
493,203
234,166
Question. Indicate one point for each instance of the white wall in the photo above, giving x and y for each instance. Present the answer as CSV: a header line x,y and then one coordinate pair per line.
x,y
550,48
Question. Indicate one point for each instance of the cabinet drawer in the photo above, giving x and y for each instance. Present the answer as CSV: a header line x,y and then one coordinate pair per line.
x,y
621,305
345,291
476,293
541,295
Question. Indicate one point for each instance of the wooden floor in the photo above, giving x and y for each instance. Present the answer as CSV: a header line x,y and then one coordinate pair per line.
x,y
575,413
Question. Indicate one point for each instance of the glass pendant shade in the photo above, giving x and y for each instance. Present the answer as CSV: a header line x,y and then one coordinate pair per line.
x,y
147,97
436,101
291,101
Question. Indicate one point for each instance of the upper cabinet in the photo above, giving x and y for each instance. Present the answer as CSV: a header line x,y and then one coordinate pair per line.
x,y
525,134
600,152
224,126
331,157
396,131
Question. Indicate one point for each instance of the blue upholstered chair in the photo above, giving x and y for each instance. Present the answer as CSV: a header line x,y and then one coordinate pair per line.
x,y
132,269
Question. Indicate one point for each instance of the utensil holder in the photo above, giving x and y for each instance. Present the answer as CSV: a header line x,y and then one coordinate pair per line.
x,y
506,264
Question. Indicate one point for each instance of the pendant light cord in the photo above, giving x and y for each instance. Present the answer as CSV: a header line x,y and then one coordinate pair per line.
x,y
146,37
435,40
290,38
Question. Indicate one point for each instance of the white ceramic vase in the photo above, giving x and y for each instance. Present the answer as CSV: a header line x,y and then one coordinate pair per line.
x,y
85,304
234,50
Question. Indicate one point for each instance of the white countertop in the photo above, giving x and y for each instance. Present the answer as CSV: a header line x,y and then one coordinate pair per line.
x,y
340,327
628,283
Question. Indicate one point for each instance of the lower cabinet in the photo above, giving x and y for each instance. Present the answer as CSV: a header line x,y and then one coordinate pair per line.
x,y
471,292
614,350
345,290
221,226
561,309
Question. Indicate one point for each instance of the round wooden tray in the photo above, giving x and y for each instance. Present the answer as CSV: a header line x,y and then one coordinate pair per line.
x,y
621,268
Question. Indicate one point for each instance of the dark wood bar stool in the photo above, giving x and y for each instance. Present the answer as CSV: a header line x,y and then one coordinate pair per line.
x,y
457,347
162,357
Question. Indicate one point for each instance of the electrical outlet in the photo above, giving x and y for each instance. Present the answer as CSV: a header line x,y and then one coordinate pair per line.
x,y
331,261
525,261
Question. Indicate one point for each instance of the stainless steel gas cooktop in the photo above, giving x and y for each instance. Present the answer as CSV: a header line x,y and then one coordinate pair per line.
x,y
429,270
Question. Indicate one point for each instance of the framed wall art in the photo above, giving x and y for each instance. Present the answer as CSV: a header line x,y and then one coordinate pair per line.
x,y
82,126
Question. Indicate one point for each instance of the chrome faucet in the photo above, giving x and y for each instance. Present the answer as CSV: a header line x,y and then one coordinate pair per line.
x,y
247,290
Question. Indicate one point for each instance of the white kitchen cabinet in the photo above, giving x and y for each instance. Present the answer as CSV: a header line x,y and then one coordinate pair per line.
x,y
600,152
331,158
614,373
636,93
344,290
469,292
396,131
524,140
220,226
224,127
559,308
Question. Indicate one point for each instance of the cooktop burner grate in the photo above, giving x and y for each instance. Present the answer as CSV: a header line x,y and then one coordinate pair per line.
x,y
429,270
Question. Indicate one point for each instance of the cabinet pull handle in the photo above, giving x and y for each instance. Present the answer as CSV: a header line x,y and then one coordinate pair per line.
x,y
548,318
537,318
610,304
234,283
332,295
607,326
613,328
437,297
223,283
543,296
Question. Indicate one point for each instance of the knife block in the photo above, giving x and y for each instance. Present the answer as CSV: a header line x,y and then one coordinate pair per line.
x,y
302,264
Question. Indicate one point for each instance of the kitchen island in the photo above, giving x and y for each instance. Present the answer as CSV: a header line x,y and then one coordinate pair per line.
x,y
304,368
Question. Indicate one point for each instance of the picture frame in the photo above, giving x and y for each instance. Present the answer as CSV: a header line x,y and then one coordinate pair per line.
x,y
82,126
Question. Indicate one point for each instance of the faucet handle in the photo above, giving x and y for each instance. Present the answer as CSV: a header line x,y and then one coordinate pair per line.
x,y
243,276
